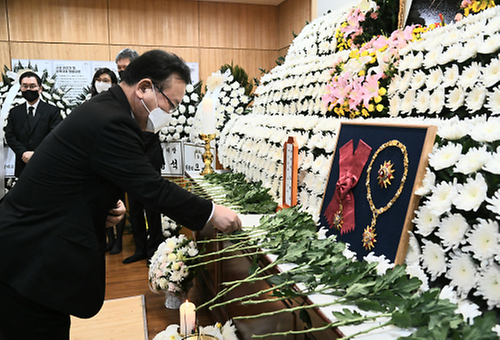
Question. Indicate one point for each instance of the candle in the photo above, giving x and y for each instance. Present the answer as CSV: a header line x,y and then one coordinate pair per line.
x,y
188,318
208,116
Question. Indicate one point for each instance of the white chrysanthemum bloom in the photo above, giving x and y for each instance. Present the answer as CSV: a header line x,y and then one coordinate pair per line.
x,y
462,272
452,231
414,270
471,194
394,105
433,56
485,131
428,183
455,98
436,100
475,99
494,203
491,73
451,75
483,240
489,285
493,103
405,82
434,79
446,156
468,310
425,221
489,45
442,197
418,79
433,259
348,254
470,75
408,101
422,101
473,160
413,254
415,61
452,129
382,262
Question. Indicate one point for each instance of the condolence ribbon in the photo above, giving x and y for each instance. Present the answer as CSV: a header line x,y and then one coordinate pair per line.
x,y
350,167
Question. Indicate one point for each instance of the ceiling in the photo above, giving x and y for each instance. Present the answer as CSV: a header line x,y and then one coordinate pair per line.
x,y
255,2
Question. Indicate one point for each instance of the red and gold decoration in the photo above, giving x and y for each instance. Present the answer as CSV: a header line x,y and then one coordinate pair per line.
x,y
369,235
340,210
385,174
290,173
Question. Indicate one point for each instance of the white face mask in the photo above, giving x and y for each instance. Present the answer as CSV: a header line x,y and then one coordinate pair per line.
x,y
101,86
157,118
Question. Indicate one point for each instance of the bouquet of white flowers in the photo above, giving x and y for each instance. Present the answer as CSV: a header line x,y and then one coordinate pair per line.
x,y
169,270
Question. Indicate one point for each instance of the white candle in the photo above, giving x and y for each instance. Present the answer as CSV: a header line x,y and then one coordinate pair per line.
x,y
208,116
188,318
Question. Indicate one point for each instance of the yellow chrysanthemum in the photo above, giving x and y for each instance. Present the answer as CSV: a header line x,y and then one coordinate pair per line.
x,y
380,107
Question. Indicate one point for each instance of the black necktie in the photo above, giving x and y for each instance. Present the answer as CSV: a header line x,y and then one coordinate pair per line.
x,y
31,117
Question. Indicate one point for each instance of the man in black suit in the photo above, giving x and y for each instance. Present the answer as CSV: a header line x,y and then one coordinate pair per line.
x,y
52,237
28,124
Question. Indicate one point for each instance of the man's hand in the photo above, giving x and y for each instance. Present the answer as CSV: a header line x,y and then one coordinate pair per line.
x,y
116,214
26,156
225,219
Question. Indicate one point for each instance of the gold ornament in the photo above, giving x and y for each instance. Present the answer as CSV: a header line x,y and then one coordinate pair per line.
x,y
385,174
369,233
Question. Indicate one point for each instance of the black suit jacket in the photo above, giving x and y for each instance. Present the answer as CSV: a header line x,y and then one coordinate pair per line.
x,y
22,137
52,222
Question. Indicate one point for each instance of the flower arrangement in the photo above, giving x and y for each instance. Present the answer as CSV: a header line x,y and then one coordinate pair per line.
x,y
231,91
179,128
226,332
168,270
169,227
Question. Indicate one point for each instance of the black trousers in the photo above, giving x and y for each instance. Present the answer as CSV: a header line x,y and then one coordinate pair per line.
x,y
146,240
23,319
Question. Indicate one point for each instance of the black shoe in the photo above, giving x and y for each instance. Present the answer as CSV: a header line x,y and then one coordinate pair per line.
x,y
134,258
117,248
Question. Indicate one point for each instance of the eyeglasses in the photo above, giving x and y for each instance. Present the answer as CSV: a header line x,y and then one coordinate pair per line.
x,y
174,107
30,86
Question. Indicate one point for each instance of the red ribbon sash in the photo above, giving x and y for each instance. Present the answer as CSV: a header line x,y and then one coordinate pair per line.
x,y
350,167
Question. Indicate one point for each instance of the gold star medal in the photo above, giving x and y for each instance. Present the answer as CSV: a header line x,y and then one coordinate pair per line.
x,y
385,174
369,238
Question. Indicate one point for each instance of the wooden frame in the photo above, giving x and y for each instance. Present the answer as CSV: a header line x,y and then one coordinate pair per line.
x,y
392,226
290,173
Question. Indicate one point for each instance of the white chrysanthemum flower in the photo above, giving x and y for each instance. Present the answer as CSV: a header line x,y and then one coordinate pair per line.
x,y
494,203
472,161
442,197
470,75
415,61
493,103
475,99
491,73
437,99
446,156
418,79
413,254
451,75
382,262
405,82
471,194
394,105
408,101
452,129
489,285
485,131
348,254
433,259
425,221
452,231
462,272
483,240
456,98
434,79
422,101
433,56
427,183
414,270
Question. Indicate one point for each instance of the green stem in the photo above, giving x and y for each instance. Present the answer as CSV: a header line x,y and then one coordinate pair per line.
x,y
318,329
298,294
250,295
226,258
231,248
287,310
366,331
